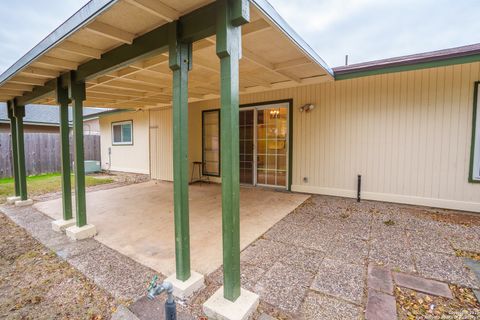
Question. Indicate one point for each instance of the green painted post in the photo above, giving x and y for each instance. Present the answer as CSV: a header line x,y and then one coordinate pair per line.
x,y
76,93
13,132
229,51
62,100
19,113
180,59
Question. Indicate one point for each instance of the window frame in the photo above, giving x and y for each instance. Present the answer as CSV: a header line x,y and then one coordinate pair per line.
x,y
120,123
219,143
475,146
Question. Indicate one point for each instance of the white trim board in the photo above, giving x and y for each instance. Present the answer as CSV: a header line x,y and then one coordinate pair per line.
x,y
396,198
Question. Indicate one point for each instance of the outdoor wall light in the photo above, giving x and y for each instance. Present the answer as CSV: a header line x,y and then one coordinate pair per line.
x,y
307,107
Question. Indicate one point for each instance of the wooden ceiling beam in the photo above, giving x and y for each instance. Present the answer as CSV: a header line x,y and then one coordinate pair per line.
x,y
116,91
157,8
149,80
110,32
40,72
132,86
9,92
5,97
17,87
292,63
27,80
255,27
104,95
250,56
56,62
72,47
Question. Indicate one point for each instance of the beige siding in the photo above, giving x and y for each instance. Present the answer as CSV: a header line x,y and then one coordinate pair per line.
x,y
408,134
161,147
128,158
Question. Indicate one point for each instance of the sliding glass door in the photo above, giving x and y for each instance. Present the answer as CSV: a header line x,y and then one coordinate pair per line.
x,y
264,145
272,127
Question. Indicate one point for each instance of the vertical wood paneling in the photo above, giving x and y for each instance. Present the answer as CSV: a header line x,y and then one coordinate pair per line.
x,y
407,133
161,144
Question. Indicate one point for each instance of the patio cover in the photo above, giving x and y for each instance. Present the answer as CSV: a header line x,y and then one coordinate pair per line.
x,y
111,44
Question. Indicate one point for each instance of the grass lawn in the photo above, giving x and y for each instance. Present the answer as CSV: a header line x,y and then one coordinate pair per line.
x,y
43,183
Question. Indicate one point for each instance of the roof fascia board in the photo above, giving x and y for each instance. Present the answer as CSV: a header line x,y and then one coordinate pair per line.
x,y
346,74
82,17
266,8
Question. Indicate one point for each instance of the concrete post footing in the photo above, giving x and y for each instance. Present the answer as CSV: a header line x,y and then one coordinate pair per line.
x,y
217,307
60,225
80,233
185,289
23,203
12,200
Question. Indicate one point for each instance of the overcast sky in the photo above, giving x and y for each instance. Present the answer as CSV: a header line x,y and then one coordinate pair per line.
x,y
363,29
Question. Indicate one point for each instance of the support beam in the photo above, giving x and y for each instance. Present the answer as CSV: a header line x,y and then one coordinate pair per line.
x,y
27,80
78,49
17,87
157,8
180,59
229,51
110,32
62,100
19,114
233,302
39,72
38,93
13,132
76,93
56,62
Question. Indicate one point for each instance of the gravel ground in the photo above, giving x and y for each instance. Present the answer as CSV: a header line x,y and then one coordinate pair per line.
x,y
311,265
36,284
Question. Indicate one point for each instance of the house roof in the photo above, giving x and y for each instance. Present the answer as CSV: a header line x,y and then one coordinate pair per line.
x,y
117,47
44,115
463,54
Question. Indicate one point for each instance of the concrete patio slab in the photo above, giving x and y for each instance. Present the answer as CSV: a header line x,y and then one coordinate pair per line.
x,y
322,307
137,220
284,286
342,280
445,268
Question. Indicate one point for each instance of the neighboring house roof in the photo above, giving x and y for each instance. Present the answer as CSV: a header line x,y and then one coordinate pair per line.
x,y
429,59
43,114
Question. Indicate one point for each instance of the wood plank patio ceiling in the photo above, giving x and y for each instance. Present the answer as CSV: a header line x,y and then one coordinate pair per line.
x,y
270,59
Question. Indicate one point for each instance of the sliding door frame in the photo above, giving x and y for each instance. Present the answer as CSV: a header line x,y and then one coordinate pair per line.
x,y
259,105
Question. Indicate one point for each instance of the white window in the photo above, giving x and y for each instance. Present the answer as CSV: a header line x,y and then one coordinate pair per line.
x,y
475,156
122,133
